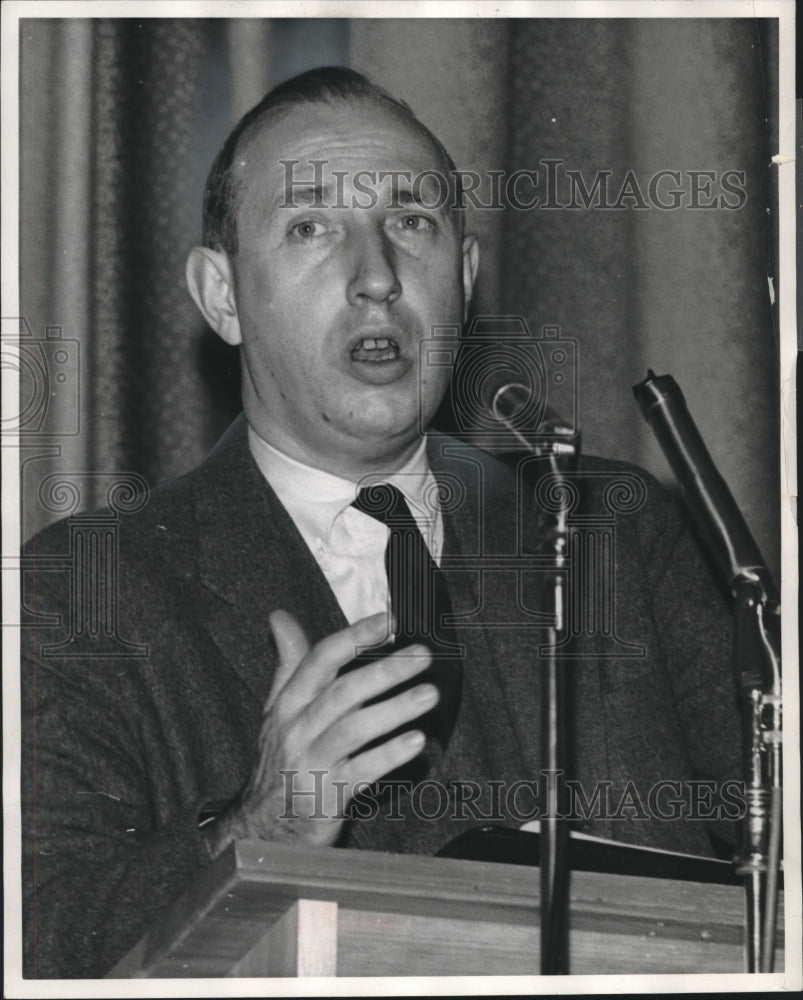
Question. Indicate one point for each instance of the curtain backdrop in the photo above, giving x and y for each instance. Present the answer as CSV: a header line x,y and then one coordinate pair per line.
x,y
120,120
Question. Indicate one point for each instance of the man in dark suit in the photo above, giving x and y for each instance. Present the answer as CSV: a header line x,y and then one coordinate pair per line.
x,y
259,588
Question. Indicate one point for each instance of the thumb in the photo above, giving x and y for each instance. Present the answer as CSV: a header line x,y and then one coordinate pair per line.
x,y
292,645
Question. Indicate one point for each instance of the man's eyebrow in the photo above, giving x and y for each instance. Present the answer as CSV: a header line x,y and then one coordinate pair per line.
x,y
297,194
405,196
396,194
295,191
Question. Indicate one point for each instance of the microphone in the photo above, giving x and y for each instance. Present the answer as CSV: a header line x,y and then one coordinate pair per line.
x,y
718,518
509,404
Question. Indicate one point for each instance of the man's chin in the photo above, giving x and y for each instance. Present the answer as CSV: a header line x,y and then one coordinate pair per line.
x,y
385,410
387,439
390,440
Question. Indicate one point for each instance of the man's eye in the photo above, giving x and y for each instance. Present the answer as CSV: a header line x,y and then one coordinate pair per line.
x,y
307,229
417,223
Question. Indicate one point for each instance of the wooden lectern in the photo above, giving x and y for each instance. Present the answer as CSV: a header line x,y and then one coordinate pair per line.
x,y
271,910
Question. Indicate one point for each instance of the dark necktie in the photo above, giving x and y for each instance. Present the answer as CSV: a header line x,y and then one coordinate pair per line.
x,y
419,599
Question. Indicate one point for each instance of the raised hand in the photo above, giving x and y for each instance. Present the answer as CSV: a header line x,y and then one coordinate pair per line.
x,y
313,726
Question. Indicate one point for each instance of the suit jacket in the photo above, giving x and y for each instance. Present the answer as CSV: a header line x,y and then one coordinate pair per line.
x,y
119,754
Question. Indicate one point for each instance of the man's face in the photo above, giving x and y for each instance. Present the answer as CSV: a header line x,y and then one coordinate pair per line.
x,y
333,298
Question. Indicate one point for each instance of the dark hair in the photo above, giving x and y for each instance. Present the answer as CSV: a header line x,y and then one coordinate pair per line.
x,y
323,85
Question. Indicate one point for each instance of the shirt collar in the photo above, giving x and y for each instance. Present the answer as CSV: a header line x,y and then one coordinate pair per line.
x,y
315,498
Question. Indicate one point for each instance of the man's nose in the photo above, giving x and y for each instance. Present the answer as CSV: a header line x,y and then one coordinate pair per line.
x,y
374,276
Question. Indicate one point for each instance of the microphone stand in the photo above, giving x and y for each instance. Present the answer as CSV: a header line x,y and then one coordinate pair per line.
x,y
561,448
758,668
554,826
756,657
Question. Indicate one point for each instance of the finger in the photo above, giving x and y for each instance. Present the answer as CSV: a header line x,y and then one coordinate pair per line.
x,y
321,664
349,691
375,763
292,646
358,728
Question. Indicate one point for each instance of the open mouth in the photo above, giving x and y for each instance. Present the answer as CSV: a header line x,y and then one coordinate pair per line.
x,y
374,349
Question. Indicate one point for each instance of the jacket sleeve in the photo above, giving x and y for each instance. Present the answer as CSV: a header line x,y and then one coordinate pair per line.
x,y
99,862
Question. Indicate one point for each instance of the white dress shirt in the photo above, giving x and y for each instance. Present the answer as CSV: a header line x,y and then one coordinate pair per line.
x,y
348,545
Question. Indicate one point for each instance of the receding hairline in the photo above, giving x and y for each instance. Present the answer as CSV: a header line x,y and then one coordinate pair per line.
x,y
273,116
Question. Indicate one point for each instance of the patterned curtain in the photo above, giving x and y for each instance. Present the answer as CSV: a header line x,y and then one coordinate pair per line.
x,y
684,290
120,120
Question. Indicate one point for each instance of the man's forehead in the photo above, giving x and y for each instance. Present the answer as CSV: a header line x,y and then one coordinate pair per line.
x,y
345,135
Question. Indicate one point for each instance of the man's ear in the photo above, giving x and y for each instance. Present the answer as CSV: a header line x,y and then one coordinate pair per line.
x,y
211,284
471,261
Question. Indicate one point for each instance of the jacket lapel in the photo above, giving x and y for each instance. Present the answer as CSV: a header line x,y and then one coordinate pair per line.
x,y
500,712
253,559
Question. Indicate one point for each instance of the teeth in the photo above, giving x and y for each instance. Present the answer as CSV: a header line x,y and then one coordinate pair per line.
x,y
375,344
